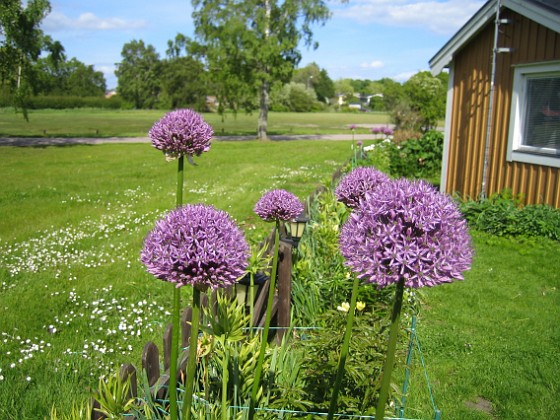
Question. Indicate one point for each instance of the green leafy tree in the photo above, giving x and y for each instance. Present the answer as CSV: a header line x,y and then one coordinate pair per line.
x,y
249,45
67,78
138,74
312,76
184,80
426,95
344,87
21,42
297,97
84,80
392,92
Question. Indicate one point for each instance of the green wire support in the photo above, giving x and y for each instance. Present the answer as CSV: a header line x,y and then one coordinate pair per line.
x,y
411,345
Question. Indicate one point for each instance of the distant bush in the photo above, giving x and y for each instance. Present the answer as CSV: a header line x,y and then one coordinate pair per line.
x,y
417,158
503,215
66,102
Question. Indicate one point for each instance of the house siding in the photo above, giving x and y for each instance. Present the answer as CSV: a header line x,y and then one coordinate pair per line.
x,y
472,69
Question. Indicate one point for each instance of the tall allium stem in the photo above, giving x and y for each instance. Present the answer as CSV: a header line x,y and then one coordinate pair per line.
x,y
268,316
193,344
180,177
390,359
251,302
176,312
344,349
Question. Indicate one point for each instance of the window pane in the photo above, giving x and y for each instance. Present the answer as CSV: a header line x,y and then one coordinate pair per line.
x,y
542,114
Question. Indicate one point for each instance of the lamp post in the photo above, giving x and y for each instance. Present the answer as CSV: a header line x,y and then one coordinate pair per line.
x,y
296,228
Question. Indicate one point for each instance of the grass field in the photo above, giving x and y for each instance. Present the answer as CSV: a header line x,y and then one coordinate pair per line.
x,y
103,123
76,301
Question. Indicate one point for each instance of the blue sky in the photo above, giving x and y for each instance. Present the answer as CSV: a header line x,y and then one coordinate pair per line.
x,y
364,39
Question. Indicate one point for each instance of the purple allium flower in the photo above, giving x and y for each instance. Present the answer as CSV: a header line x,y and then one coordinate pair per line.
x,y
354,186
181,132
406,229
278,205
352,127
376,130
198,245
359,143
387,131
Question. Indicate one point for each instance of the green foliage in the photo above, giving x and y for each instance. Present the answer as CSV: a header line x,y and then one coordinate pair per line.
x,y
67,102
113,395
418,158
295,97
138,74
321,348
502,215
426,95
61,77
21,44
250,48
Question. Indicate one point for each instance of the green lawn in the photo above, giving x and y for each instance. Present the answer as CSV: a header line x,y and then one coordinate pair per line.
x,y
491,341
121,123
76,301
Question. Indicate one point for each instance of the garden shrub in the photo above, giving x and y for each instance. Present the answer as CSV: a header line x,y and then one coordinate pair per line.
x,y
418,158
503,215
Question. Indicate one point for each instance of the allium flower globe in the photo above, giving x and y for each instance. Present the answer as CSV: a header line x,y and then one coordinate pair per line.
x,y
196,245
278,205
406,229
354,186
181,132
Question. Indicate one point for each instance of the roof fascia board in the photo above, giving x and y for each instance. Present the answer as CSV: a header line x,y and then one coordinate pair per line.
x,y
536,13
486,13
444,56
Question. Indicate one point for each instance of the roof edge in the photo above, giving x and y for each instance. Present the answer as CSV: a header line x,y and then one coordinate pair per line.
x,y
444,56
485,14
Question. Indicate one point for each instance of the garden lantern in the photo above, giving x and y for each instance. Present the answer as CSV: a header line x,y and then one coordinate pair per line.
x,y
296,227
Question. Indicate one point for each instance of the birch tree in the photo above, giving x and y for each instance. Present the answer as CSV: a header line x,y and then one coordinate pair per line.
x,y
248,45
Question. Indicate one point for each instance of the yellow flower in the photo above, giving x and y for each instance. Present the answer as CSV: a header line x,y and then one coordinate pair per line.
x,y
360,306
343,307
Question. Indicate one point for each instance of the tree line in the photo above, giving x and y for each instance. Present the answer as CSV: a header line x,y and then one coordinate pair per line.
x,y
242,58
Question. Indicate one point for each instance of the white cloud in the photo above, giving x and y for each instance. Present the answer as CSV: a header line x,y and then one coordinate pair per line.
x,y
442,17
88,21
403,77
375,64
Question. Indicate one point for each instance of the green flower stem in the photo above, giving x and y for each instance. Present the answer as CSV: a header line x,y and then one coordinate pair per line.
x,y
268,316
174,353
251,302
191,364
225,380
176,314
180,171
390,359
344,349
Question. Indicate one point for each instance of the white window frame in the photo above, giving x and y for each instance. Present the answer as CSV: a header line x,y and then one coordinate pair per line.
x,y
516,150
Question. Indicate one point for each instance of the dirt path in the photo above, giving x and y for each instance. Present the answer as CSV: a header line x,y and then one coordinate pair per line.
x,y
61,141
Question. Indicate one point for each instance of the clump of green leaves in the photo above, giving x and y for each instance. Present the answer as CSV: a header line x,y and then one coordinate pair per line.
x,y
418,158
360,384
503,215
114,397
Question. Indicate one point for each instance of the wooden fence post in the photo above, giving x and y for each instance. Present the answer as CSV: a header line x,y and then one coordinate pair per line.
x,y
284,289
